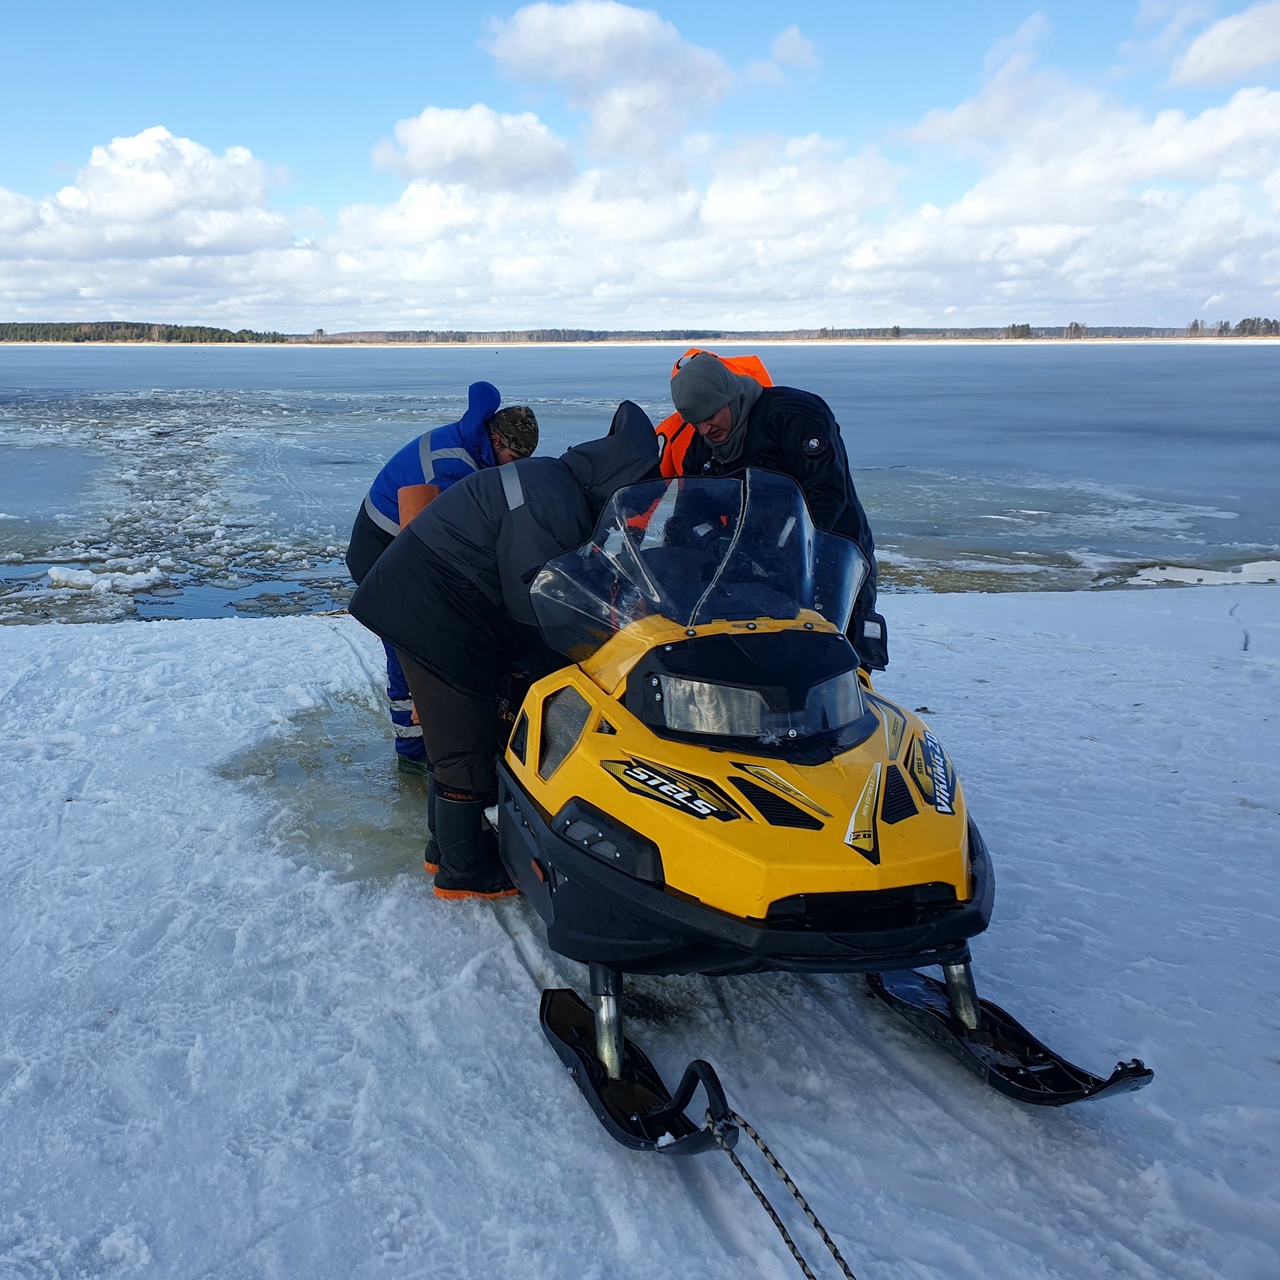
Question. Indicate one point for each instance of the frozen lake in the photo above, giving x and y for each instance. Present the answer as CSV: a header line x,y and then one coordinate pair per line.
x,y
197,481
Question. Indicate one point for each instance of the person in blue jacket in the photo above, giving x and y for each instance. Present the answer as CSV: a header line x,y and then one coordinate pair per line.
x,y
485,436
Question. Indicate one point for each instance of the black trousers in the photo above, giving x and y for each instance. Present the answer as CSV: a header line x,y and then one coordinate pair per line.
x,y
459,731
367,543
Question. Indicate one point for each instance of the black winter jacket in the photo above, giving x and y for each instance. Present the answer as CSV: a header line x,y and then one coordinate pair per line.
x,y
499,526
453,582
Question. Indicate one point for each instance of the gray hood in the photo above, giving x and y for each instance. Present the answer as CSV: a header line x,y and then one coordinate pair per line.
x,y
625,456
702,386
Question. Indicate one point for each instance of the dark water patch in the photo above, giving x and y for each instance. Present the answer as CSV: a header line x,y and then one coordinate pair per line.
x,y
662,1002
334,795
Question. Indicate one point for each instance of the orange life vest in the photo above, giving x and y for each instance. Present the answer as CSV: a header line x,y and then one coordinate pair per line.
x,y
674,434
413,499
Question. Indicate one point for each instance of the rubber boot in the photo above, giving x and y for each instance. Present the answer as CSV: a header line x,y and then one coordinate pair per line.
x,y
469,865
432,855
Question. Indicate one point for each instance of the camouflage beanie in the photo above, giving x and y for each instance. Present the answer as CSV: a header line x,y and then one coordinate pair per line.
x,y
515,428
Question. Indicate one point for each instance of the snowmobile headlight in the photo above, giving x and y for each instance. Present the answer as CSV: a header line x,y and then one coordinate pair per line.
x,y
698,706
722,710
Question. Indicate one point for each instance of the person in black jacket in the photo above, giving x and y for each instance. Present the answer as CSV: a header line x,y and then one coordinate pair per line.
x,y
741,424
451,595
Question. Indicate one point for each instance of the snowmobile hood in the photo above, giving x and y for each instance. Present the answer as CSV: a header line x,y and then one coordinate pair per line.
x,y
625,456
740,831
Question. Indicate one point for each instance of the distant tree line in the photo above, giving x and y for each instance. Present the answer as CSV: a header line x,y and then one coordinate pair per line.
x,y
1074,330
1252,327
1257,327
495,336
490,336
129,331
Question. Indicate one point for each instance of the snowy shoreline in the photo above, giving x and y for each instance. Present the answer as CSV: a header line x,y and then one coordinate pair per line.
x,y
238,1037
328,345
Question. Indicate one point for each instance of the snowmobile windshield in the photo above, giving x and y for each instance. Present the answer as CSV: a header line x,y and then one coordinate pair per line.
x,y
695,551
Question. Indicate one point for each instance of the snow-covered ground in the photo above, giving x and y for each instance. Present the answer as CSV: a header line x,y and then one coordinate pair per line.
x,y
239,1037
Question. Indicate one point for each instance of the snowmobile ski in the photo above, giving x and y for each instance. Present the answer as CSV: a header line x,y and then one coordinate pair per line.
x,y
630,1099
999,1048
636,1108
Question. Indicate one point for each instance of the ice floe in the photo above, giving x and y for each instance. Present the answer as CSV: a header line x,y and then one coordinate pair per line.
x,y
87,580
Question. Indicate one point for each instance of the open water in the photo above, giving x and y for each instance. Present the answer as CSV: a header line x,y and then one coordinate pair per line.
x,y
179,482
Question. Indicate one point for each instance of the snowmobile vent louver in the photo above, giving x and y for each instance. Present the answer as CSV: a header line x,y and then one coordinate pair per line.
x,y
564,716
585,833
898,803
776,811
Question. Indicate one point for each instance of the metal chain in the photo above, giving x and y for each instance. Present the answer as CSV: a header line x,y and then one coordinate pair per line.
x,y
764,1200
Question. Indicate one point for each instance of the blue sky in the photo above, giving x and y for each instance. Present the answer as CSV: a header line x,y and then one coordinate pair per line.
x,y
313,86
310,91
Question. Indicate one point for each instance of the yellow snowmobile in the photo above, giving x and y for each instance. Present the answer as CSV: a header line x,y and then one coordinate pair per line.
x,y
715,787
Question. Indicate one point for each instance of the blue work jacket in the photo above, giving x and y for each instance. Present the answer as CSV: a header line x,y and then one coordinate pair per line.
x,y
440,457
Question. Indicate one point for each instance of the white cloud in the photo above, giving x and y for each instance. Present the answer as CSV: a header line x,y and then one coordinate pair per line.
x,y
1071,146
1083,201
1162,26
1000,109
151,218
1080,205
624,247
1021,47
1233,47
789,49
146,195
478,146
794,191
630,70
792,49
18,214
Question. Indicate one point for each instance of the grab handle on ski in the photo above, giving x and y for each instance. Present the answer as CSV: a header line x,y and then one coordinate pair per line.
x,y
635,1107
720,1120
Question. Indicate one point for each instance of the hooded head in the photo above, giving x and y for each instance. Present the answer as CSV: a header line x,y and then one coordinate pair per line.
x,y
483,399
704,385
627,455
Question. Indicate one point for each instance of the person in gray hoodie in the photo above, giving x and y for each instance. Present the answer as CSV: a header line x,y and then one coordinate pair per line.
x,y
739,424
451,595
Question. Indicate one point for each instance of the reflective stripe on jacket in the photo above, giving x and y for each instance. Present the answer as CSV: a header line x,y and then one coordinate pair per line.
x,y
439,457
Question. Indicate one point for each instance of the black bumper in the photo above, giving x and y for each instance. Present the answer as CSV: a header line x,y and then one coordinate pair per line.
x,y
596,913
